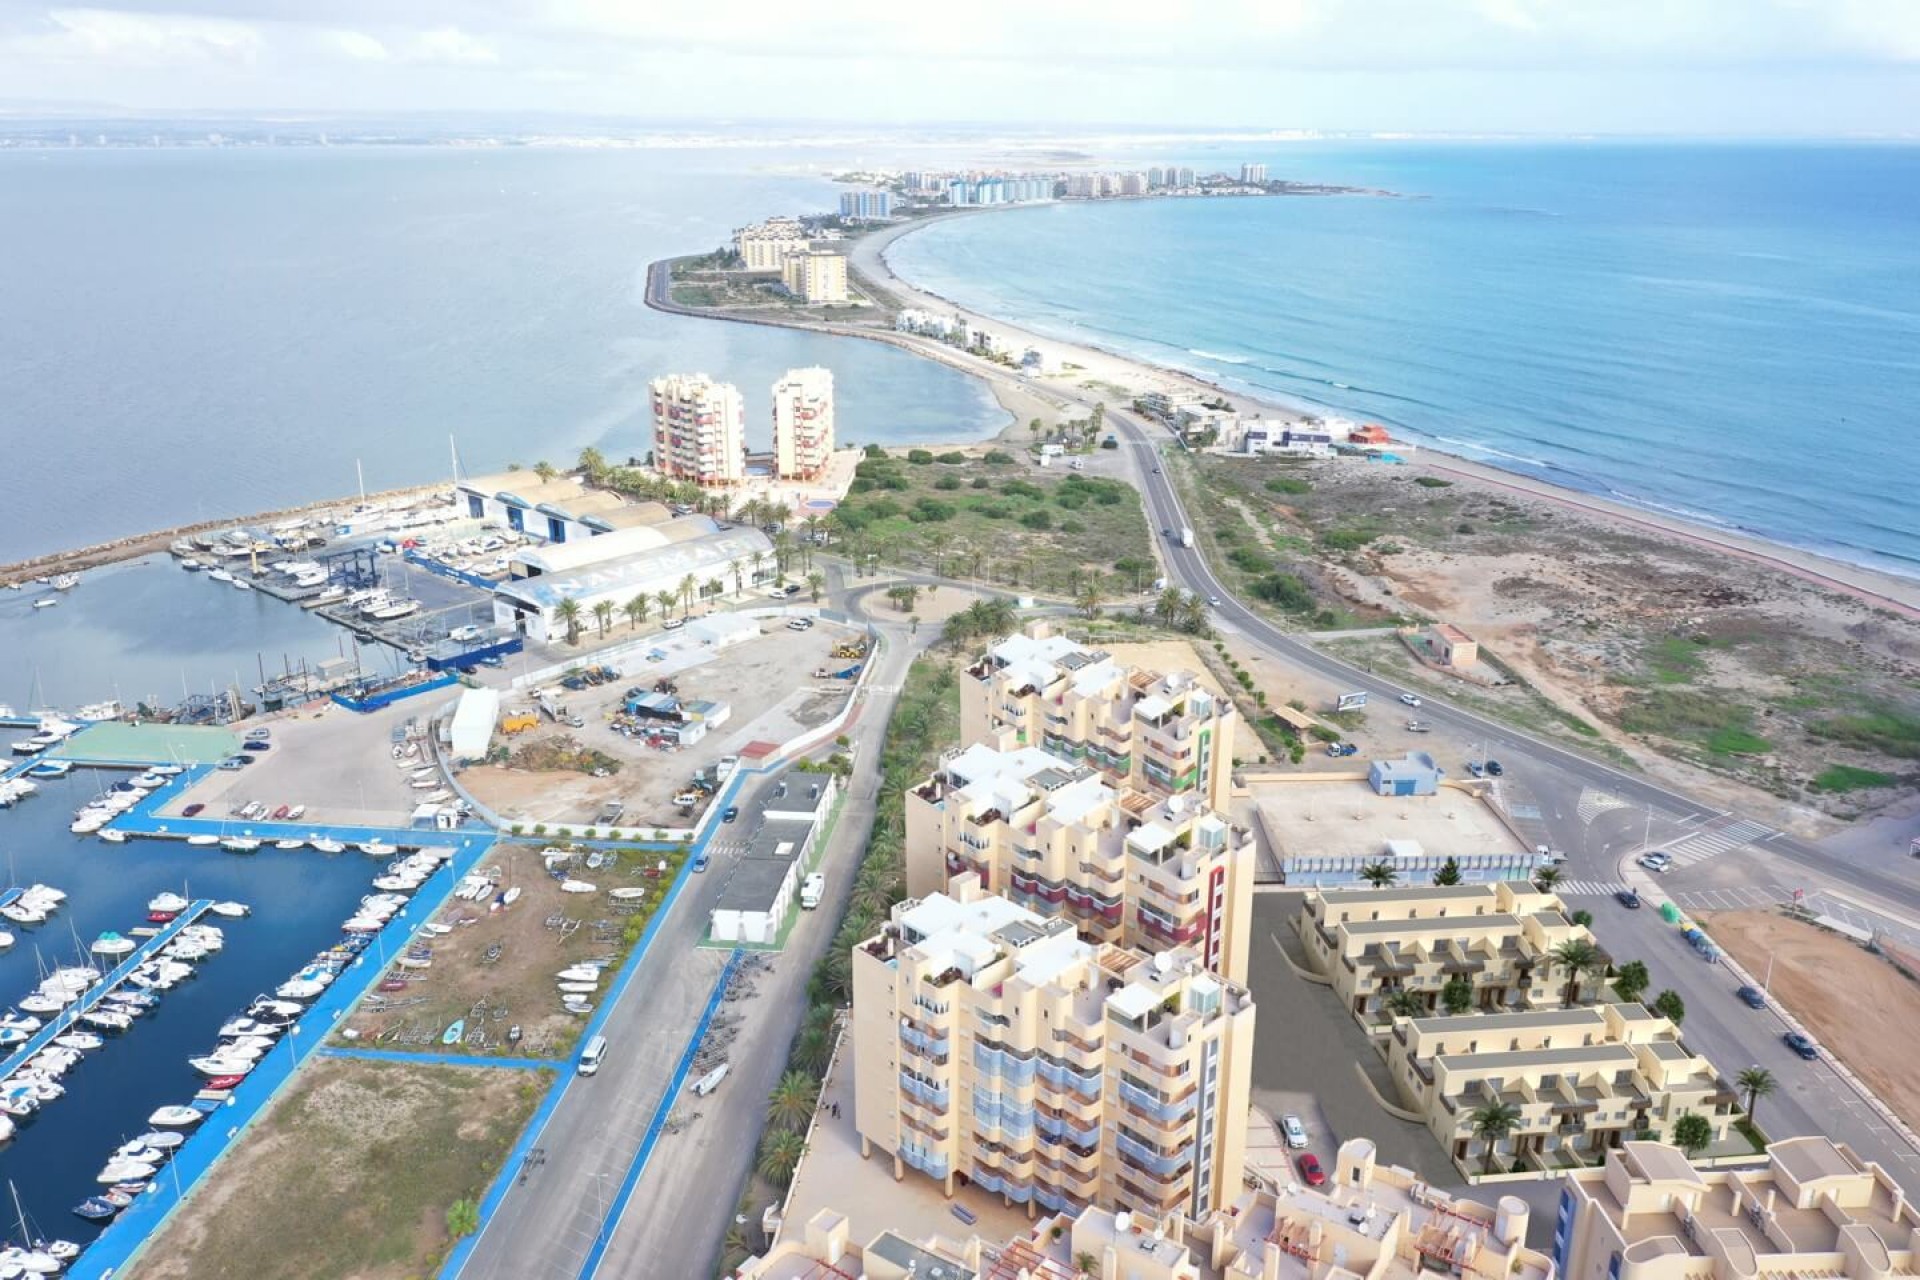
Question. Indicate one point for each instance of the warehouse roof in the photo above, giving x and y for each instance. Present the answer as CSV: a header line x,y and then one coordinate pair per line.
x,y
659,569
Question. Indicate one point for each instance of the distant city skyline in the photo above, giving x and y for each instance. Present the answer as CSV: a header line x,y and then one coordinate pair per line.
x,y
1712,67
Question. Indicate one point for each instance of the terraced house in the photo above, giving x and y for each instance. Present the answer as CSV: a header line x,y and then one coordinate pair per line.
x,y
1159,733
1579,1082
1499,938
1814,1209
994,1044
1125,866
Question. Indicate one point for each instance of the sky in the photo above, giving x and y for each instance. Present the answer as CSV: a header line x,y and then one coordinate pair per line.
x,y
1714,67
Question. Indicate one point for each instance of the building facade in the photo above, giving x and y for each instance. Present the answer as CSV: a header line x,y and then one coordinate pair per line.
x,y
1813,1209
993,1043
1162,734
1499,938
815,275
1581,1082
803,423
866,205
1254,175
765,245
1124,866
699,430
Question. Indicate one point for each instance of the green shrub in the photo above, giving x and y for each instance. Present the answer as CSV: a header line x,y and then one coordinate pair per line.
x,y
1285,590
1432,482
1844,777
930,511
1037,520
1346,539
994,511
1248,560
997,457
947,483
1288,484
920,457
981,482
952,458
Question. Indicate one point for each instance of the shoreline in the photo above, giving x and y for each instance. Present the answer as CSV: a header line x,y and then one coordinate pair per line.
x,y
868,260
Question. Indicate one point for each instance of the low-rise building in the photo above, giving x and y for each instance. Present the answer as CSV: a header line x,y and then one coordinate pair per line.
x,y
1259,436
1331,831
562,509
1166,405
1370,1221
1126,867
1576,1083
1813,1209
815,275
1451,646
1499,938
761,888
1161,733
991,1042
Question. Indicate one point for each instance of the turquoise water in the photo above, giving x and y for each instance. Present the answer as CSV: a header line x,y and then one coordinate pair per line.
x,y
187,335
1726,332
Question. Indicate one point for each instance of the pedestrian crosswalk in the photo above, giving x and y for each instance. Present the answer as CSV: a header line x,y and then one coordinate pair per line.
x,y
1701,845
1589,888
1594,803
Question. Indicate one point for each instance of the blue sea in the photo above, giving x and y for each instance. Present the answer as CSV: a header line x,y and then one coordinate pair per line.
x,y
191,334
1728,332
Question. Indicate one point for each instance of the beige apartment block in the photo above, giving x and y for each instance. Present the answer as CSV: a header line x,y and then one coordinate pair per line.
x,y
765,245
699,430
803,424
1370,1222
991,1043
1162,733
1124,866
815,275
1583,1081
1814,1209
1499,937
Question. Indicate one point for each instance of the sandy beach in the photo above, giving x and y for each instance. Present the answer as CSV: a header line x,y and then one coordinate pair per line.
x,y
1134,377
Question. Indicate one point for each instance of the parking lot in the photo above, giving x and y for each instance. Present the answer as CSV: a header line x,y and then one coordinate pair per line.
x,y
768,683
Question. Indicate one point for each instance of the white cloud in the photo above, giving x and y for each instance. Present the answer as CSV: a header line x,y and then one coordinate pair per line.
x,y
358,44
110,37
452,46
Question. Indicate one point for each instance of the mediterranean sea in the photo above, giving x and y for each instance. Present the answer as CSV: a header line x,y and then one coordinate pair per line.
x,y
190,334
1725,332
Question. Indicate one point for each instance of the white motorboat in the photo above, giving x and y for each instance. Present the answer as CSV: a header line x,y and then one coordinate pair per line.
x,y
378,848
112,944
241,584
579,988
264,1007
221,1065
106,1019
168,902
50,769
112,836
627,894
45,602
79,1041
126,1171
230,910
20,1022
299,989
240,844
65,581
88,825
21,913
220,575
580,973
296,813
43,1003
168,770
203,840
175,1118
244,1026
191,565
290,844
161,1139
6,939
578,886
326,844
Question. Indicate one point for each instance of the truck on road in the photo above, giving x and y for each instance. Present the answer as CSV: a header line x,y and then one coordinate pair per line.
x,y
1186,536
812,891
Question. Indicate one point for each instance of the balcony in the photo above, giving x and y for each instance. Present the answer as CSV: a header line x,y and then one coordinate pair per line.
x,y
1158,1105
1082,1084
1062,1128
1175,1163
1005,1066
936,1096
931,1163
925,1043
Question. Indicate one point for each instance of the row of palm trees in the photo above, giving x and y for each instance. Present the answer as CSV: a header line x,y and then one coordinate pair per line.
x,y
573,615
1493,1122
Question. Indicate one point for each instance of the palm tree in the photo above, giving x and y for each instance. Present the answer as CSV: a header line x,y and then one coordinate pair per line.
x,y
593,465
815,581
1091,596
568,611
545,471
1545,878
780,1156
1402,1003
792,1102
783,550
759,559
1449,872
1380,874
814,1049
636,610
687,588
1758,1082
1578,957
716,588
1491,1123
603,614
666,599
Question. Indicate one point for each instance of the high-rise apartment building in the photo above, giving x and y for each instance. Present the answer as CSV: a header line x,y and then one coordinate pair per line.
x,y
866,205
1182,177
803,423
1162,734
1253,174
1124,866
815,275
992,1042
699,430
765,245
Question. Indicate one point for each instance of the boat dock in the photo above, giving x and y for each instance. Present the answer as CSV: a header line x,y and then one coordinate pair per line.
x,y
62,1022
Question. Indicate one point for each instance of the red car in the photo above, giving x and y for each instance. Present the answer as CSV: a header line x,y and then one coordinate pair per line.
x,y
191,810
1311,1171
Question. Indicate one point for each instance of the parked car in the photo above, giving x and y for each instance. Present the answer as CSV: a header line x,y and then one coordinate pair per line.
x,y
1419,726
1339,750
702,862
732,812
192,810
1411,699
1293,1130
1752,997
1628,898
1493,769
1656,861
1477,769
255,745
1310,1171
1802,1046
673,624
799,624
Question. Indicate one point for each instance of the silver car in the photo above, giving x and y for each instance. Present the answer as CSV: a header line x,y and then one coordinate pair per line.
x,y
1293,1131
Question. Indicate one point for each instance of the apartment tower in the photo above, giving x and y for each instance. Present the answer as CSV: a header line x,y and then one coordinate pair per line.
x,y
699,430
803,423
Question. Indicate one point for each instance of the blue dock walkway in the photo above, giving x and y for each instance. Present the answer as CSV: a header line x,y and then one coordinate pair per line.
x,y
64,1021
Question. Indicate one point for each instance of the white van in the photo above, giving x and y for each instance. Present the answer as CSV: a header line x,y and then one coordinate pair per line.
x,y
595,1052
812,890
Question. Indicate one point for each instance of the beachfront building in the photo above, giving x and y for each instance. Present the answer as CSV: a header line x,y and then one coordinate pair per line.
x,y
1499,938
1370,1220
1125,867
1159,733
1814,1209
699,430
1579,1081
815,275
991,1042
1253,175
866,205
765,245
633,562
803,423
562,509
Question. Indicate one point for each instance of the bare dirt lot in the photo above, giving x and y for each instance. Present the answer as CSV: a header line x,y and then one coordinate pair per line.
x,y
350,1174
1860,1007
517,986
768,682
